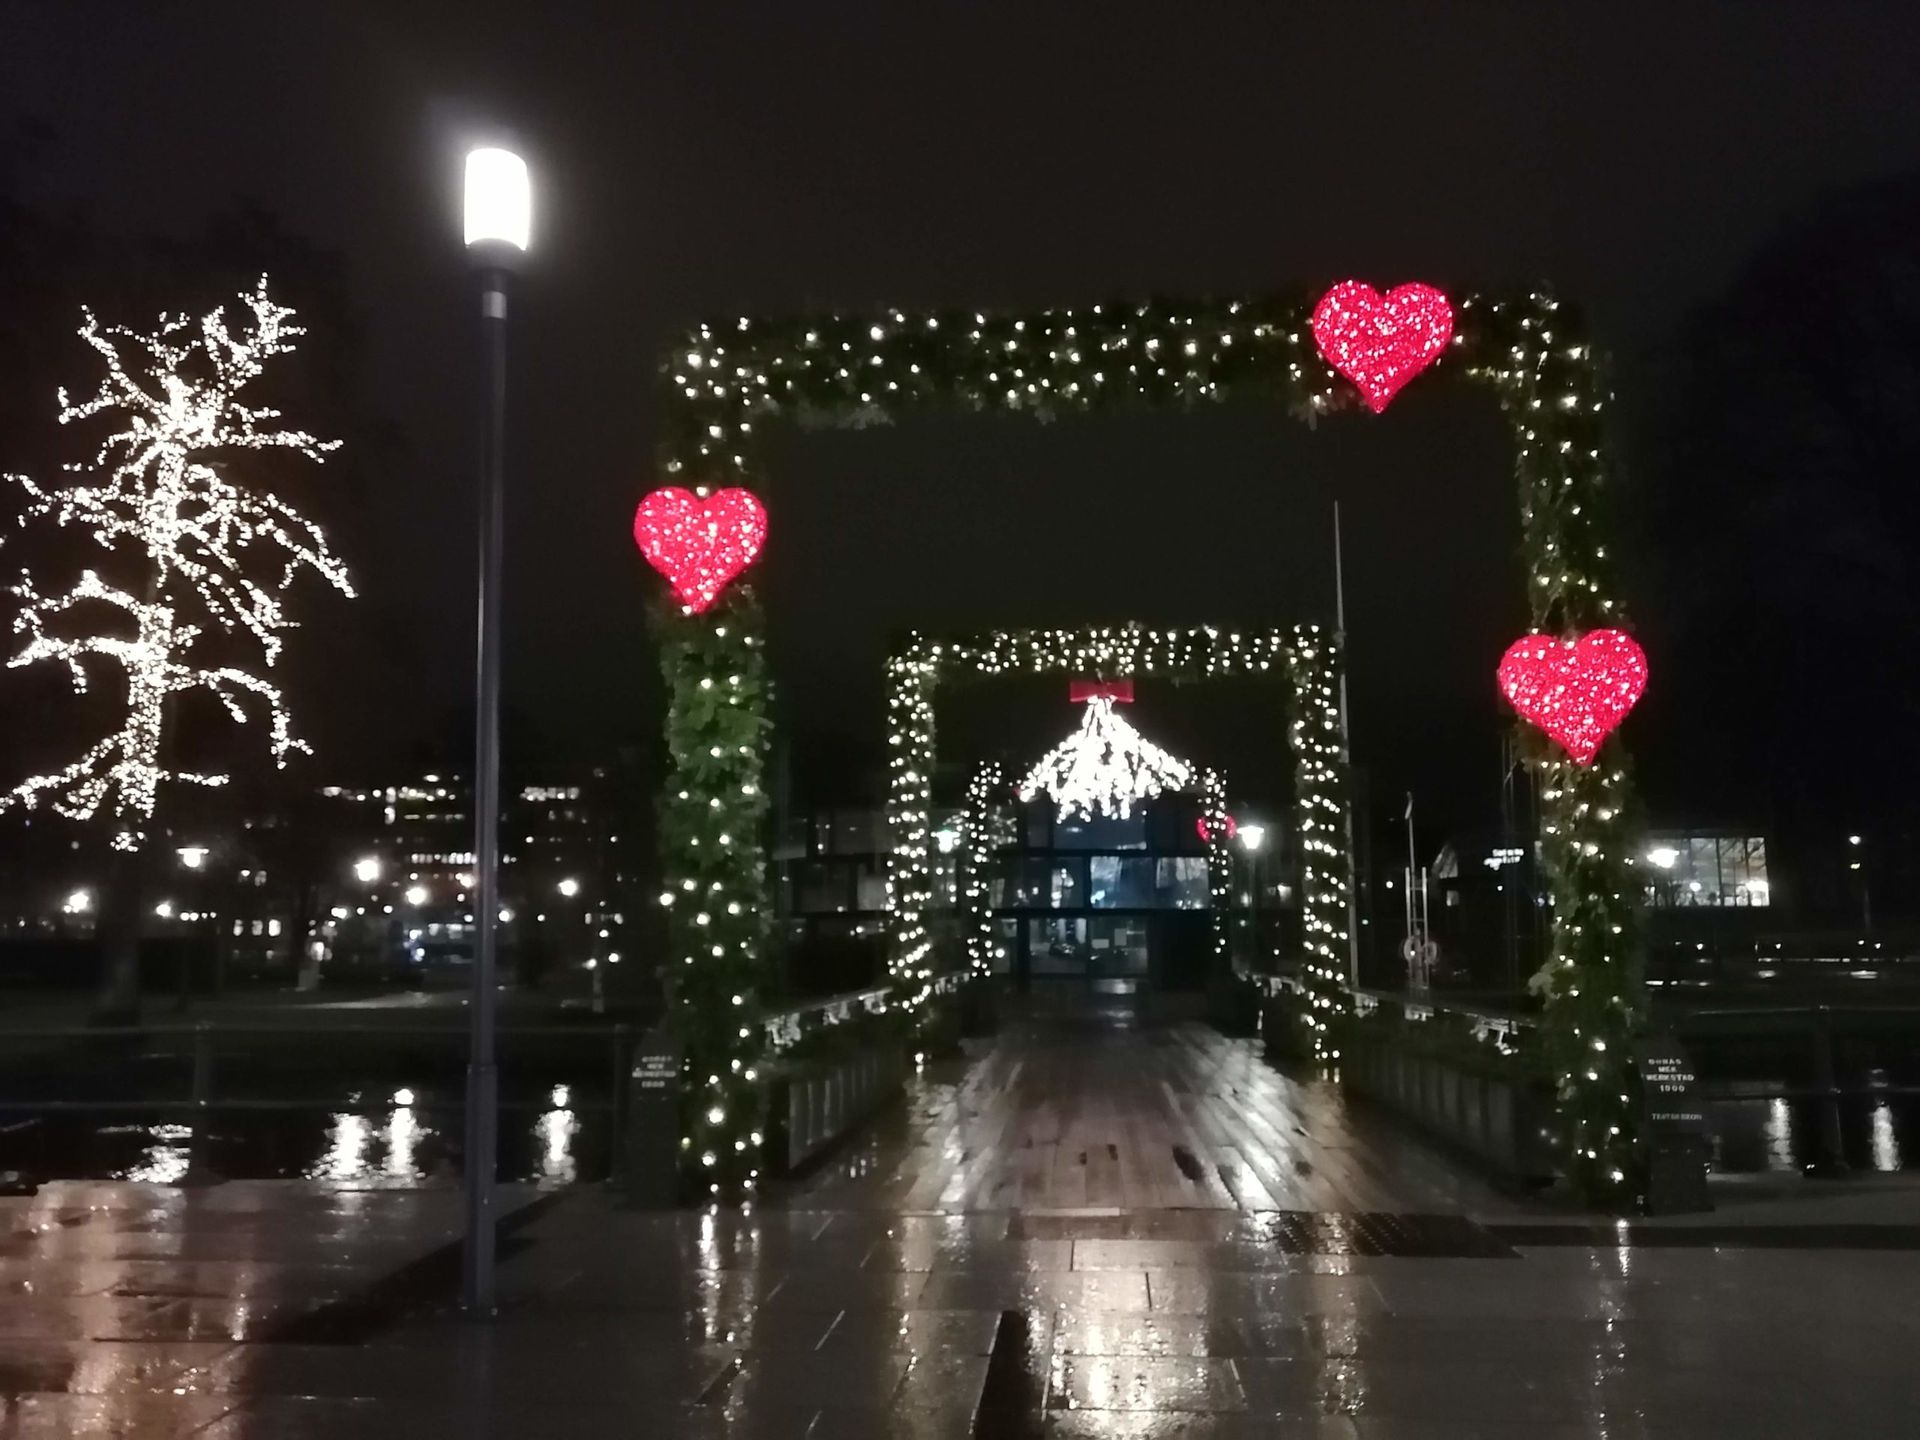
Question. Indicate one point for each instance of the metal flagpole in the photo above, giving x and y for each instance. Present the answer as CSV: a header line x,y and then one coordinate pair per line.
x,y
1346,758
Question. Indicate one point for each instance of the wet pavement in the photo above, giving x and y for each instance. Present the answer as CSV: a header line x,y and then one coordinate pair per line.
x,y
955,1276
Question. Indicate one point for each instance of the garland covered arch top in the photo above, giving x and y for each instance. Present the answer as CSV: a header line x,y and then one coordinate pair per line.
x,y
723,381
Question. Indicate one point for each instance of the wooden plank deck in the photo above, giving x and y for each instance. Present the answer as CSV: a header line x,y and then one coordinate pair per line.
x,y
1063,1117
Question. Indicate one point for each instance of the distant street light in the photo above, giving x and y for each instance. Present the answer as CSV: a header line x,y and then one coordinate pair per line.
x,y
499,227
193,856
416,895
569,887
79,902
366,870
164,909
1251,836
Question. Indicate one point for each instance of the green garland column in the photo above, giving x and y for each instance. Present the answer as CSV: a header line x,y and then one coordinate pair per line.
x,y
912,673
976,884
1593,981
712,839
1320,826
1213,809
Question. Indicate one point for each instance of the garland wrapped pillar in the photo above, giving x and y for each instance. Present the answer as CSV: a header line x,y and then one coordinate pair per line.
x,y
912,673
979,835
1213,816
1320,823
712,824
1592,984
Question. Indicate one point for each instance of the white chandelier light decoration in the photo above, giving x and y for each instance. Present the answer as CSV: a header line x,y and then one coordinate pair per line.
x,y
1106,767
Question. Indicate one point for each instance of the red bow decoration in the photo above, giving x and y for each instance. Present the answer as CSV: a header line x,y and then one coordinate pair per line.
x,y
699,545
1577,691
1381,341
1232,828
1118,691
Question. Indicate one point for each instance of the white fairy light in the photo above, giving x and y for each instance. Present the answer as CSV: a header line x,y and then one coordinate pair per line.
x,y
1105,767
153,488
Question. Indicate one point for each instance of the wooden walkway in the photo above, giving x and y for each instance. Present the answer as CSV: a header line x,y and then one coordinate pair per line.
x,y
1087,1118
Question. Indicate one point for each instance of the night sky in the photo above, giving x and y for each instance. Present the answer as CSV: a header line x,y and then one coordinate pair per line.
x,y
718,159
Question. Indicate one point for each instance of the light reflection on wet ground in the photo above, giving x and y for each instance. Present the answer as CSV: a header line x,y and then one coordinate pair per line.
x,y
308,1310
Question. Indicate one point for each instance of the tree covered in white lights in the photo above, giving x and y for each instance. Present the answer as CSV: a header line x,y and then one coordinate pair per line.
x,y
192,554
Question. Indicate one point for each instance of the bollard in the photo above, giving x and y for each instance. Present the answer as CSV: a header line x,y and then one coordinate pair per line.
x,y
650,1137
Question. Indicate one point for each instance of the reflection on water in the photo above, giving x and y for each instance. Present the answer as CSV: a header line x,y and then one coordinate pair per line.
x,y
404,1133
1886,1145
557,1130
348,1137
1779,1136
168,1158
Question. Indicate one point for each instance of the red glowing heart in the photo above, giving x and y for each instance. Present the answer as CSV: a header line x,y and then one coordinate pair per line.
x,y
699,545
1577,691
1381,341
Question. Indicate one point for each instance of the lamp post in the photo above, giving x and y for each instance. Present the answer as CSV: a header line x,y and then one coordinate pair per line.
x,y
498,217
1251,837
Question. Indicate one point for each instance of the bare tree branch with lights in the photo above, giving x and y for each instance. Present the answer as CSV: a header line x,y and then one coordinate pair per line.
x,y
214,556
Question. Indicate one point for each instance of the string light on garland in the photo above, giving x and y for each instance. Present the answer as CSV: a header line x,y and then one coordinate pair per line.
x,y
217,555
700,543
1577,691
1380,342
1104,768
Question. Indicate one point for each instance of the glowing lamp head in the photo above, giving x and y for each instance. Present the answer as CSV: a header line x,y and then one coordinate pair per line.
x,y
416,895
366,870
1252,836
1663,856
193,856
499,201
79,902
569,887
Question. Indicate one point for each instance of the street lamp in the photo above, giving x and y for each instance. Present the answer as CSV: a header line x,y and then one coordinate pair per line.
x,y
569,887
1251,836
193,856
499,226
366,869
416,895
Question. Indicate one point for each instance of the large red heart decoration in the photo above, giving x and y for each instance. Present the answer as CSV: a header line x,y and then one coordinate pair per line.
x,y
699,545
1381,341
1575,690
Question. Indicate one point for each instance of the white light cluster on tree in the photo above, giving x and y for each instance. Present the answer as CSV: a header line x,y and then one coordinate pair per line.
x,y
210,555
1104,768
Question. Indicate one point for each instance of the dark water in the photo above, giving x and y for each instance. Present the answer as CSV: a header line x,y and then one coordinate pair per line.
x,y
567,1138
1778,1136
558,1142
